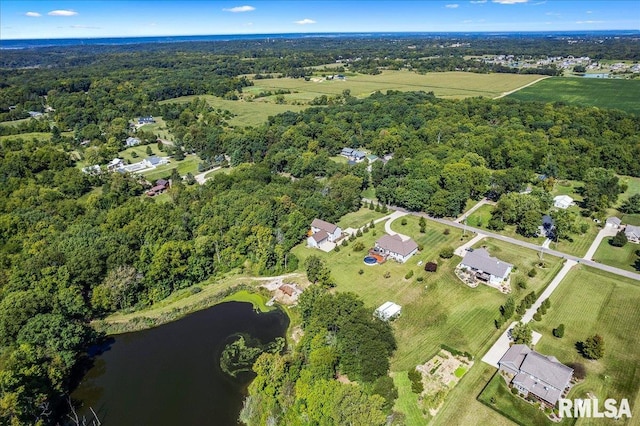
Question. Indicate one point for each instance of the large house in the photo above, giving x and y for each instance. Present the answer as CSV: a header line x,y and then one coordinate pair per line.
x,y
160,186
146,120
115,164
532,373
131,142
632,233
562,201
395,247
154,161
321,232
353,154
613,222
487,268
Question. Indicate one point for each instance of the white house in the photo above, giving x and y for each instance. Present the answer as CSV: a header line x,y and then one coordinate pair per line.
x,y
155,161
632,233
322,231
115,164
131,142
487,268
613,222
92,170
562,201
395,247
388,311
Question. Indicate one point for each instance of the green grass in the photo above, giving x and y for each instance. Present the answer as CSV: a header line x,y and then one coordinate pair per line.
x,y
407,402
440,309
188,165
339,159
633,187
360,218
370,193
590,301
513,407
159,128
460,372
631,219
257,300
246,113
480,218
28,136
601,93
17,122
620,257
224,170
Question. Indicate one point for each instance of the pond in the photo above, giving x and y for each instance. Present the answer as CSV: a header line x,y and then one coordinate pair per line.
x,y
170,375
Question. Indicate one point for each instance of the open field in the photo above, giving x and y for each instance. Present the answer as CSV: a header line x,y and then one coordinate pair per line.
x,y
27,136
444,84
620,257
590,301
188,165
360,218
159,128
602,93
631,219
247,113
17,122
633,187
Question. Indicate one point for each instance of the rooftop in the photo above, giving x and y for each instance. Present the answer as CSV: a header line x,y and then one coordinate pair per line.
x,y
325,226
395,244
481,260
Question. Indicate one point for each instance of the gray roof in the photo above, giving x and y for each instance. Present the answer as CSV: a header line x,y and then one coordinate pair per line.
x,y
632,230
395,244
358,154
541,375
481,260
614,220
154,160
325,226
320,236
347,151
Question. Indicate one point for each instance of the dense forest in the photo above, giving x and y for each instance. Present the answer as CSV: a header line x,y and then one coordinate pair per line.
x,y
75,247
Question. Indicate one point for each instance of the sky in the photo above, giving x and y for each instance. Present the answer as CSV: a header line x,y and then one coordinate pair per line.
x,y
25,19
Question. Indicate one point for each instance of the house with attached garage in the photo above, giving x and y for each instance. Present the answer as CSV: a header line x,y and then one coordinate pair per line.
x,y
394,247
613,222
632,233
531,373
562,201
321,232
487,268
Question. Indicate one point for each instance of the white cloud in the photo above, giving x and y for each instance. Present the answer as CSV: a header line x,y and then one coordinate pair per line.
x,y
305,21
452,6
589,12
84,27
478,1
589,22
509,1
239,9
32,14
552,14
467,21
62,12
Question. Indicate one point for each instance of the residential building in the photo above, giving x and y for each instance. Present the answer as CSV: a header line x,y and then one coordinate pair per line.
x,y
321,232
487,268
533,373
353,154
154,161
115,164
146,120
562,201
131,142
632,233
92,170
160,186
395,247
613,222
388,311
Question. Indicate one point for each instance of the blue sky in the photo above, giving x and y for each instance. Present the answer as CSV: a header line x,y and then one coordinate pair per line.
x,y
117,18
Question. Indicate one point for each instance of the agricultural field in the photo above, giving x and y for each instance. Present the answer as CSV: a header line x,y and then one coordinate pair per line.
x,y
444,84
601,93
620,257
590,301
246,113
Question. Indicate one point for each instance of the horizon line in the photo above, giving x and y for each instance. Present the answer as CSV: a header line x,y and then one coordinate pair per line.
x,y
329,33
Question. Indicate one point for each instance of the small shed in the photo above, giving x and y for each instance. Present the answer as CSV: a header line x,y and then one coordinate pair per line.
x,y
388,311
431,267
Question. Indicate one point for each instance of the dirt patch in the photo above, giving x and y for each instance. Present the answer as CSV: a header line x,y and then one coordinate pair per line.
x,y
439,375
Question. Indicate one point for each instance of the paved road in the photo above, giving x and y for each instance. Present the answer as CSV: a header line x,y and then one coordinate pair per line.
x,y
607,268
474,208
387,226
201,179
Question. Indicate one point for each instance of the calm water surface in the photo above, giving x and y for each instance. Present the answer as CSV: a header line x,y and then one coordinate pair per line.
x,y
170,375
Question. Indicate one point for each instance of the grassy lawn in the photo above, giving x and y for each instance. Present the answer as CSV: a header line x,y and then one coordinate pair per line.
x,y
369,193
159,128
257,300
360,218
407,402
339,159
633,187
585,91
188,165
513,407
246,113
480,218
590,301
620,257
224,170
568,187
27,136
631,219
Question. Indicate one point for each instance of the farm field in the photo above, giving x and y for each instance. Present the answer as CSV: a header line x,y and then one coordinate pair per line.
x,y
246,113
620,257
444,84
590,301
602,93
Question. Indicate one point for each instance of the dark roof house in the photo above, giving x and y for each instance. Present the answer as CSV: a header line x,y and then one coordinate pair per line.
x,y
534,373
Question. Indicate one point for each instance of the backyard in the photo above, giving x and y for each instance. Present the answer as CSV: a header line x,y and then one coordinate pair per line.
x,y
590,301
620,257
